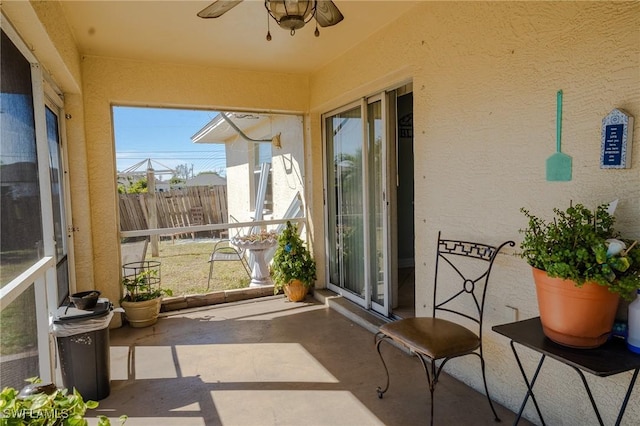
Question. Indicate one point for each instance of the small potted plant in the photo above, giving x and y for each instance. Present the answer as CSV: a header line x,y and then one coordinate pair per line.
x,y
581,266
46,405
294,269
143,294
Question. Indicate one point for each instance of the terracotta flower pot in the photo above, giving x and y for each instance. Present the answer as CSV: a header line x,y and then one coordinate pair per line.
x,y
579,317
296,291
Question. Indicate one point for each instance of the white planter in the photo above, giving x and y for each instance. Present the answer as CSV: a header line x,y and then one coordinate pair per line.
x,y
259,270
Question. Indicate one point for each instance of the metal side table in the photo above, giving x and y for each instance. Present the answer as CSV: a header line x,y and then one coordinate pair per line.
x,y
611,358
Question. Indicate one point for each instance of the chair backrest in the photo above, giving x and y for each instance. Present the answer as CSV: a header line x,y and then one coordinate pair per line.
x,y
237,232
465,266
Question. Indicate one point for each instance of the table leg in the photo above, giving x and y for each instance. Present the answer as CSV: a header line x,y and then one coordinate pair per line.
x,y
529,386
584,382
626,397
593,402
588,389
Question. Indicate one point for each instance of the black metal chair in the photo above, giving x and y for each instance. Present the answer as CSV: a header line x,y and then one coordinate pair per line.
x,y
461,276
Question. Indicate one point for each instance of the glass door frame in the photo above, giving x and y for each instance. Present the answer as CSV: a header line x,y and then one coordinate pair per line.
x,y
384,307
368,274
54,102
328,190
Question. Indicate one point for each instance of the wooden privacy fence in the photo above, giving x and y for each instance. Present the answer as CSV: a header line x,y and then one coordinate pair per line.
x,y
191,206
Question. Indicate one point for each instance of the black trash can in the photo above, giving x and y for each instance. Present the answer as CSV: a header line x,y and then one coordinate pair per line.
x,y
83,349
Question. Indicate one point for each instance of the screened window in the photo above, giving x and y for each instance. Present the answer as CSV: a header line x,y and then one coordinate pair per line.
x,y
21,232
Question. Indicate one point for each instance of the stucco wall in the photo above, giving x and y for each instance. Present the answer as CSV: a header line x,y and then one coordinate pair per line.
x,y
485,77
286,166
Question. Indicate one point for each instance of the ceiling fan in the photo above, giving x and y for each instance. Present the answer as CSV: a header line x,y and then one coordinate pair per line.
x,y
288,14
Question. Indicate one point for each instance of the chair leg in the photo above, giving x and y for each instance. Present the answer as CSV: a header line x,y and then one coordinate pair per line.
x,y
432,378
486,389
246,267
210,273
379,337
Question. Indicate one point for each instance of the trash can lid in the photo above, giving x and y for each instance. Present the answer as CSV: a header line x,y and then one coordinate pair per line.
x,y
69,313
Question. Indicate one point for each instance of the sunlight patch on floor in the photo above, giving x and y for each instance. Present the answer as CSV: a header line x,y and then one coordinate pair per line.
x,y
142,362
254,362
291,407
227,363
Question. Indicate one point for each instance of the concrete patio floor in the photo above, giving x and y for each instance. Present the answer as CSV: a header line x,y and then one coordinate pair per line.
x,y
272,362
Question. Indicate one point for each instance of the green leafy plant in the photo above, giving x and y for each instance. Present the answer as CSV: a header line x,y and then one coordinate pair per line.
x,y
46,405
292,260
144,285
131,187
582,246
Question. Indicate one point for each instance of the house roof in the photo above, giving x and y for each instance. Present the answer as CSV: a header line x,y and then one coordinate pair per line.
x,y
206,179
171,31
219,130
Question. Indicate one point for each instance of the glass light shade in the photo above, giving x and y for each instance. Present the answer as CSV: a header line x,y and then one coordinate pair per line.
x,y
291,14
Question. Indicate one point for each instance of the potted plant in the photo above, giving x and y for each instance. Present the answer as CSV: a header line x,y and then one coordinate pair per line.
x,y
581,266
294,269
46,405
143,294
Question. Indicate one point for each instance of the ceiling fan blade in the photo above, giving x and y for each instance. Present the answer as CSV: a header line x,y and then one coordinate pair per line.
x,y
218,8
327,13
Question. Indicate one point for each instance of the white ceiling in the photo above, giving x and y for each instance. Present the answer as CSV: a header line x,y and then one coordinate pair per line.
x,y
170,31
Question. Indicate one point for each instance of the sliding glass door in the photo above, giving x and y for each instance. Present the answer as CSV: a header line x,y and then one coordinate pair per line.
x,y
377,194
345,204
356,207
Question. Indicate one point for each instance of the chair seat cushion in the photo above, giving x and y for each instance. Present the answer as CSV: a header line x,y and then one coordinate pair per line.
x,y
434,337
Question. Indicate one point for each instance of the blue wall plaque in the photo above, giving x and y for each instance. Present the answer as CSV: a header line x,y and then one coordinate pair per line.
x,y
617,139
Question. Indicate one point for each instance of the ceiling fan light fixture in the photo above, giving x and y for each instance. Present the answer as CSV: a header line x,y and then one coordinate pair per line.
x,y
291,22
288,14
291,14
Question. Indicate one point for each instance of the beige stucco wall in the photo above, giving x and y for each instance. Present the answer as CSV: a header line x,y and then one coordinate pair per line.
x,y
485,77
286,166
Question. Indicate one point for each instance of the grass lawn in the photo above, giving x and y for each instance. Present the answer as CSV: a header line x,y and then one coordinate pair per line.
x,y
184,268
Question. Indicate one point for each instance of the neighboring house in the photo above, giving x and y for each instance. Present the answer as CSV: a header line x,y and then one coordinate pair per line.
x,y
163,185
251,140
206,179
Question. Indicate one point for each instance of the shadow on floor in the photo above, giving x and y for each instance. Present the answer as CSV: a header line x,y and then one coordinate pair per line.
x,y
272,362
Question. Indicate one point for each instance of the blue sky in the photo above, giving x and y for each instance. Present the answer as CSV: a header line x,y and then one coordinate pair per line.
x,y
164,135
